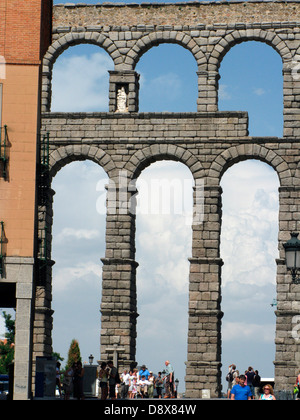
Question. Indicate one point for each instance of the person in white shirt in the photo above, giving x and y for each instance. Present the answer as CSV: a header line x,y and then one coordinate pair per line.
x,y
125,379
142,387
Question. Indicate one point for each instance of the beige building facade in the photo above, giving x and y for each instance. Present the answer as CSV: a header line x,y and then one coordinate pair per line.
x,y
22,46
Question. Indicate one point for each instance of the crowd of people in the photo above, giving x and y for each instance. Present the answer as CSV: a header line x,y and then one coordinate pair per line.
x,y
130,384
247,386
142,383
138,383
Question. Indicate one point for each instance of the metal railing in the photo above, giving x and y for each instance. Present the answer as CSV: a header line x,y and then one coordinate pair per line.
x,y
43,260
3,150
43,249
45,151
43,169
2,254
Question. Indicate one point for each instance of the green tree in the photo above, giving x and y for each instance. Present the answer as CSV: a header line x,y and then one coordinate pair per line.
x,y
74,355
57,357
7,350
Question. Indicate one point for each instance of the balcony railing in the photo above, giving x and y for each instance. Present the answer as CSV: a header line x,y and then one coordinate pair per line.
x,y
2,254
45,153
3,152
43,170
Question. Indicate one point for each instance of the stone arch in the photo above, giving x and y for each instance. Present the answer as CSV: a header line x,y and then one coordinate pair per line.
x,y
239,36
243,152
58,47
154,39
144,157
66,154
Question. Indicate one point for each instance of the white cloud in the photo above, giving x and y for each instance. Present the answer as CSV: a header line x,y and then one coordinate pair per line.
x,y
259,91
249,239
81,83
223,93
85,272
239,331
78,245
164,244
170,268
164,241
86,234
249,249
165,189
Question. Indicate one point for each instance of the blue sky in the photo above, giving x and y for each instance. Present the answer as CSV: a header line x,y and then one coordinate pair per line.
x,y
251,80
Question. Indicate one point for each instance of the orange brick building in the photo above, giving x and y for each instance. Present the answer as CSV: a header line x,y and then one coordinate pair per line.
x,y
25,34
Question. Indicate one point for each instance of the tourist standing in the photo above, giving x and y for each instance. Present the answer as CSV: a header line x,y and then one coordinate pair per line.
x,y
268,394
151,386
241,392
68,382
78,381
256,384
170,392
250,376
103,378
159,384
230,378
125,380
113,373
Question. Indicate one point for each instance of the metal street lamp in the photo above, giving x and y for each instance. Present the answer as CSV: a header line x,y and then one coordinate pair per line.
x,y
176,387
292,256
91,359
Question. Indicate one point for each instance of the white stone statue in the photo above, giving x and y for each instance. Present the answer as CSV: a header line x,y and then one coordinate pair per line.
x,y
122,100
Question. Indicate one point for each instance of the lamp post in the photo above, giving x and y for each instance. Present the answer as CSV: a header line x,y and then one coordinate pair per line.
x,y
91,359
292,256
176,387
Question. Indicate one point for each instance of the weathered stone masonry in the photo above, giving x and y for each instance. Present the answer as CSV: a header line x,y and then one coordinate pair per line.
x,y
208,142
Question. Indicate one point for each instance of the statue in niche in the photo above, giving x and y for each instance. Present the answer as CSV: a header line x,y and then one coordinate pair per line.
x,y
122,100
